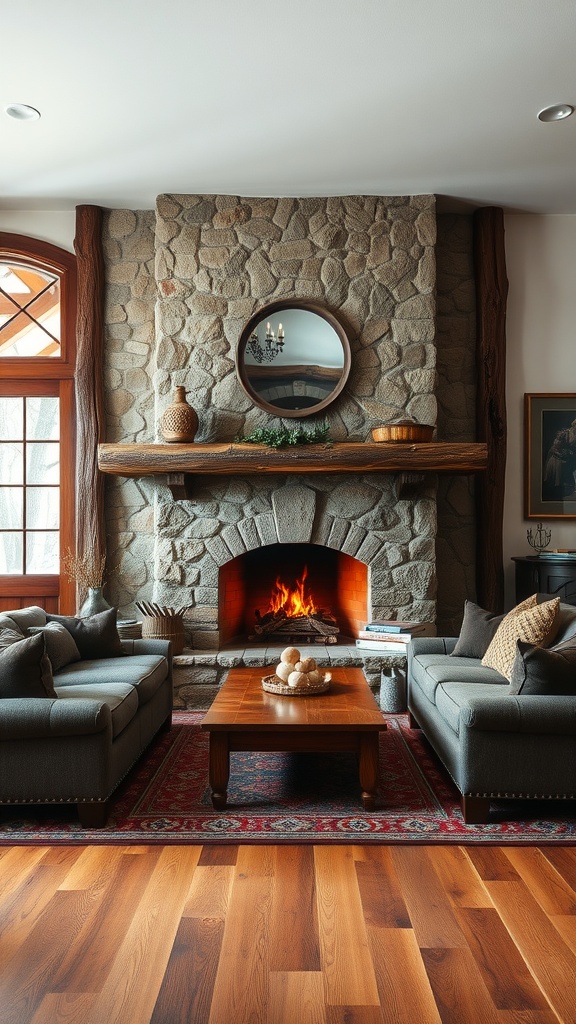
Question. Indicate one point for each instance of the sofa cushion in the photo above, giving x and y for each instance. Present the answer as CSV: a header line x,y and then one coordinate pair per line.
x,y
9,635
121,698
22,618
537,670
531,622
25,669
477,630
96,636
60,644
144,672
428,671
452,697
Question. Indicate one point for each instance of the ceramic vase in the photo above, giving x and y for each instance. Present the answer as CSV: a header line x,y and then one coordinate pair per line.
x,y
95,602
179,421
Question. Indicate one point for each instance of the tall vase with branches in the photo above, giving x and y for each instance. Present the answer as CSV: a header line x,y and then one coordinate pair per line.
x,y
89,573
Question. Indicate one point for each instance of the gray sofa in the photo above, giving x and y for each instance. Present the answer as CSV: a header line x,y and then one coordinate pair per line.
x,y
493,743
77,745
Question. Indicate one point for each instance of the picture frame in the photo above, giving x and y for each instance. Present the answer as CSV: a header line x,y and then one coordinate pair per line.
x,y
550,456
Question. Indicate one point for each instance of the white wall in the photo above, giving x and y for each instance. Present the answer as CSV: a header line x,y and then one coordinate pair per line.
x,y
56,226
541,353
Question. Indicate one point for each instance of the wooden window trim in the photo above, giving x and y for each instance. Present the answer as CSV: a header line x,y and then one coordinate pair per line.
x,y
44,255
51,585
24,375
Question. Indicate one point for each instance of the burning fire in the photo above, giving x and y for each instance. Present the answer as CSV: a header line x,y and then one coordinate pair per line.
x,y
292,601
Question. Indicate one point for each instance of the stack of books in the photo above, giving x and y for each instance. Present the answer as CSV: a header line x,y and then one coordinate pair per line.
x,y
391,635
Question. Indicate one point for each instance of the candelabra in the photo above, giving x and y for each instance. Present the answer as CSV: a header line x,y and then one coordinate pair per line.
x,y
540,540
272,347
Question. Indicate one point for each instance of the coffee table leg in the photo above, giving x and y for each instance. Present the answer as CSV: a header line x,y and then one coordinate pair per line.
x,y
219,769
368,768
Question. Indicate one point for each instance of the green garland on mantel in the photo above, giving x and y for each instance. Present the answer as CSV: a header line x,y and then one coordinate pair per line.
x,y
286,437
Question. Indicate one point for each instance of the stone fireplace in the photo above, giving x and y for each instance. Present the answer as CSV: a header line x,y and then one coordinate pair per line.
x,y
181,283
301,593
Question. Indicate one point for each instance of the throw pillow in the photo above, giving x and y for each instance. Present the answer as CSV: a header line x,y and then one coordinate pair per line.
x,y
96,636
533,623
60,644
25,669
478,628
9,636
544,671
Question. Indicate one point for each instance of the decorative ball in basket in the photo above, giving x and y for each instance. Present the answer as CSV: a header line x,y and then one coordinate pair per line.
x,y
296,676
161,623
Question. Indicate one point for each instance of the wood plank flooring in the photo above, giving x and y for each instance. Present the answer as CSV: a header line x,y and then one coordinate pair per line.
x,y
287,935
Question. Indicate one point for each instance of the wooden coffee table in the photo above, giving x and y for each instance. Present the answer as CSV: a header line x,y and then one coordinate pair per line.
x,y
246,717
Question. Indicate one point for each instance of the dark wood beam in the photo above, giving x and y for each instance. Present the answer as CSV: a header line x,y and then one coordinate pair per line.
x,y
491,295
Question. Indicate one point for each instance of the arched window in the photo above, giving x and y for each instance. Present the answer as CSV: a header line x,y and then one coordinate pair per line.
x,y
37,421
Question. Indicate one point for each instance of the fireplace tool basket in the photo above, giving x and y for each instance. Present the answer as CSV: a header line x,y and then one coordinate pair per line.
x,y
162,623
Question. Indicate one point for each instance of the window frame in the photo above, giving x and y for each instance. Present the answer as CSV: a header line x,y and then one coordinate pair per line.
x,y
23,376
45,256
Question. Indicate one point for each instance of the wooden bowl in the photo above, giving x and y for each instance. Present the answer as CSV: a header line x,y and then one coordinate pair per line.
x,y
403,432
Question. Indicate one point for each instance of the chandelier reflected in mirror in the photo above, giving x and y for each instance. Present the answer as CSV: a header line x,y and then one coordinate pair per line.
x,y
272,345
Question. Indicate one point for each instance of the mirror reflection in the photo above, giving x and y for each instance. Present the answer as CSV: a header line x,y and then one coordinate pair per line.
x,y
293,359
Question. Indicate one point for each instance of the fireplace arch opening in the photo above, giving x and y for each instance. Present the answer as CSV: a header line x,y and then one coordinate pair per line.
x,y
262,593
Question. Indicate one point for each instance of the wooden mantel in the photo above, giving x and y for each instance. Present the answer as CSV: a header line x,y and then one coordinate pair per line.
x,y
179,461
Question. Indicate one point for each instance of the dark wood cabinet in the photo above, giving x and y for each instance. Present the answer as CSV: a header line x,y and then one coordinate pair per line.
x,y
545,574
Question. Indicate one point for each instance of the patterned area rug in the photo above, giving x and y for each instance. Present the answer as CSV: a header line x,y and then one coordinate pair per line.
x,y
288,798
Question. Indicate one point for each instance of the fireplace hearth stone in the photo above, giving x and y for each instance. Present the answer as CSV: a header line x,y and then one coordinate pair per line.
x,y
198,675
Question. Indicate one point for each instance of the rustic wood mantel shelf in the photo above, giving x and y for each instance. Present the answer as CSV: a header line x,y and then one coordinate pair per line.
x,y
179,461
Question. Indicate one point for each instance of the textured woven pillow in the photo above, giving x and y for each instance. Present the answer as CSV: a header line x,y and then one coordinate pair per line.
x,y
544,671
478,628
60,644
25,669
532,623
96,636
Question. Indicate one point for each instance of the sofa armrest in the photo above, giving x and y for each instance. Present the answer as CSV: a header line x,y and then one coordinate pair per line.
x,y
432,645
523,714
427,645
32,718
148,646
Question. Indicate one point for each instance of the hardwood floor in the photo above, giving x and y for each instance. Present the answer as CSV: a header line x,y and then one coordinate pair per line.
x,y
287,935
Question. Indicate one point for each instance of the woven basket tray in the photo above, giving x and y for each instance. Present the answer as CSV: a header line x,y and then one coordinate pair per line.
x,y
272,684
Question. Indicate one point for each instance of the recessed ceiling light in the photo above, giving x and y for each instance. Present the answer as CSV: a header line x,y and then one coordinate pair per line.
x,y
22,112
556,113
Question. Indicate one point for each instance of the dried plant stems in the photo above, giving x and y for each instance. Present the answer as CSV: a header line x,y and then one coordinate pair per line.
x,y
88,570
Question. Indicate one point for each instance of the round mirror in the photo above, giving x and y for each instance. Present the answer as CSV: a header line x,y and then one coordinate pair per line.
x,y
293,358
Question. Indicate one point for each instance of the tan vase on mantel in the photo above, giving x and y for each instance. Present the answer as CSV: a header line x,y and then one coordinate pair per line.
x,y
179,421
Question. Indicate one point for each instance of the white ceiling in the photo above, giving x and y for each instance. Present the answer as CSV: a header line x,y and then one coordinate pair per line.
x,y
300,97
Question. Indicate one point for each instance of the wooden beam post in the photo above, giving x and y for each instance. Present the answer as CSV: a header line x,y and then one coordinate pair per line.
x,y
491,294
91,530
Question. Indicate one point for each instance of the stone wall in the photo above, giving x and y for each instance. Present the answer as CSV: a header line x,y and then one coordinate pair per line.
x,y
368,259
216,260
130,360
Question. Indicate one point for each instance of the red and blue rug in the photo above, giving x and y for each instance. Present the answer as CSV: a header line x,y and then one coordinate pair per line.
x,y
289,798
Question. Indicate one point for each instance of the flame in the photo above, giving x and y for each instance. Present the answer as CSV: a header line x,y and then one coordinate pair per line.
x,y
292,601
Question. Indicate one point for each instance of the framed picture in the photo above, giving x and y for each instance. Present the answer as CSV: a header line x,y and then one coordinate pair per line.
x,y
550,456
